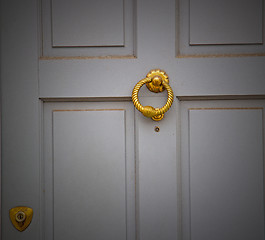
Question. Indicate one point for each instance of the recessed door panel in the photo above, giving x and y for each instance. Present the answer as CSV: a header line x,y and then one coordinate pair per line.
x,y
223,171
225,22
89,175
76,28
80,23
220,27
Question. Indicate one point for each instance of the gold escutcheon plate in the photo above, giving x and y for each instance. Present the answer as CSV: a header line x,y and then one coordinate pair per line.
x,y
157,77
21,217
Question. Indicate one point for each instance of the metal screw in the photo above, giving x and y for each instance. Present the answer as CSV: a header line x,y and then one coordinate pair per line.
x,y
157,129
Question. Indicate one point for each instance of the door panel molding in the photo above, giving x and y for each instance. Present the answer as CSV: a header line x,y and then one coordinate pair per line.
x,y
219,28
233,160
80,30
59,173
87,99
220,97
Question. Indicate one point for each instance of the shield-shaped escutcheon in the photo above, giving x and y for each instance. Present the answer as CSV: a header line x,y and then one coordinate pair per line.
x,y
21,217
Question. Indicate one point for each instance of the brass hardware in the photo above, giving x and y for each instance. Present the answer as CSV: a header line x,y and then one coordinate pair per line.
x,y
157,77
157,129
21,217
156,81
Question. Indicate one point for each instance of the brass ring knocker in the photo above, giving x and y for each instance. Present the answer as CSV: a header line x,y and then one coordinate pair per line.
x,y
156,81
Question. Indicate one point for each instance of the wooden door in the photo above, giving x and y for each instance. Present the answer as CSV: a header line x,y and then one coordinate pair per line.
x,y
88,164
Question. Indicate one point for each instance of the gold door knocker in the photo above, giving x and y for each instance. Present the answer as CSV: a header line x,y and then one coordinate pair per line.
x,y
156,81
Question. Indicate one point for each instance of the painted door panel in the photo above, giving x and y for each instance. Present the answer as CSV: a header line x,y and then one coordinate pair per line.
x,y
222,166
89,171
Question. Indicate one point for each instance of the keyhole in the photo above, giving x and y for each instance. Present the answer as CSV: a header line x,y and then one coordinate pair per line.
x,y
20,217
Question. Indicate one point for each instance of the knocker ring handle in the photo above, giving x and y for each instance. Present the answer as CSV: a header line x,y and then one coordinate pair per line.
x,y
156,81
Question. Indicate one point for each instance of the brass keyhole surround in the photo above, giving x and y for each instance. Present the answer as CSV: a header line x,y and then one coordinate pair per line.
x,y
20,216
